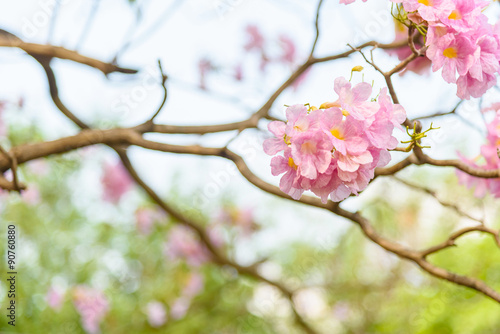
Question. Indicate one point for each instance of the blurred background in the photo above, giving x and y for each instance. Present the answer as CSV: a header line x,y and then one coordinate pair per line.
x,y
96,255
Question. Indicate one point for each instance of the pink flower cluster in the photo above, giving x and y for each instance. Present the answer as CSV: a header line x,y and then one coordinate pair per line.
x,y
460,41
92,305
491,162
334,150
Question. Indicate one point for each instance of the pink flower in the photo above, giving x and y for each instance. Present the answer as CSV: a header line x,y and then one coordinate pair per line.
x,y
489,152
92,305
454,54
341,132
116,181
395,113
289,183
486,59
157,314
299,120
467,86
332,151
464,15
313,152
183,244
429,10
353,101
277,143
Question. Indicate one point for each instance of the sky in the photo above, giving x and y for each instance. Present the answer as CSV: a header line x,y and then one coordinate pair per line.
x,y
187,31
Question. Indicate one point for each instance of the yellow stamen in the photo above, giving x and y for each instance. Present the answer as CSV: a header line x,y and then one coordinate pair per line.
x,y
450,53
425,2
327,105
345,112
287,140
455,15
336,133
291,163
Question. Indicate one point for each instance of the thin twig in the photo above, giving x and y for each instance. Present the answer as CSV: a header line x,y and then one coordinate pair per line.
x,y
165,93
316,25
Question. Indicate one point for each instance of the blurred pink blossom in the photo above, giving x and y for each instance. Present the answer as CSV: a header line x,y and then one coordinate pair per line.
x,y
289,50
92,305
194,285
55,298
157,314
31,195
490,154
255,39
183,244
115,181
216,235
179,308
240,218
145,218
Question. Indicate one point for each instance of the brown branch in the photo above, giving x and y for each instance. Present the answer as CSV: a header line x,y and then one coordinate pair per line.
x,y
439,114
51,51
451,240
396,167
432,193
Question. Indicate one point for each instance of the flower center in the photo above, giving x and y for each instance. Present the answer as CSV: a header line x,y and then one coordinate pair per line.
x,y
426,2
336,133
286,139
308,148
291,163
450,53
455,15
